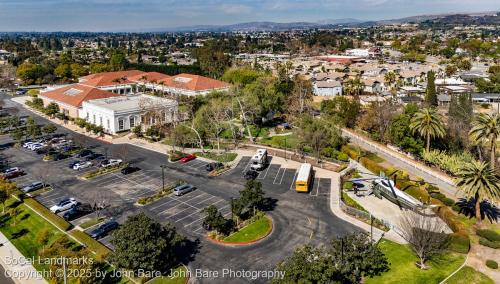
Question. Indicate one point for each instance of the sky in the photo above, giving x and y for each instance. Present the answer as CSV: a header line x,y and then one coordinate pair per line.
x,y
141,15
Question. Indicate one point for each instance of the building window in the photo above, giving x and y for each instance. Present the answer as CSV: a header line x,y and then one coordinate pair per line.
x,y
132,121
121,124
87,117
108,124
93,118
100,121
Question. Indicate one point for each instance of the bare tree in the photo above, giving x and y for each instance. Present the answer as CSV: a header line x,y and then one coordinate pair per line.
x,y
425,234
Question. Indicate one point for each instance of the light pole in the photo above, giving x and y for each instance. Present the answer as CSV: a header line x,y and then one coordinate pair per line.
x,y
163,176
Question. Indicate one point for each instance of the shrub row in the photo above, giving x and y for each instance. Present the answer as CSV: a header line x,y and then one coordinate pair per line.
x,y
162,192
488,243
47,214
99,249
103,171
458,242
351,151
490,235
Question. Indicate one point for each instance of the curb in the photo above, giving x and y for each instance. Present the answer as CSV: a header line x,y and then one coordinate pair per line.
x,y
241,244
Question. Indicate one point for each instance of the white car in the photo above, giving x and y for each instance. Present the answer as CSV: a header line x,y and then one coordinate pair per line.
x,y
36,146
112,162
27,144
64,205
82,165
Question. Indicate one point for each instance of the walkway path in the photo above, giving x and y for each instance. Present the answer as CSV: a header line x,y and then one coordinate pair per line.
x,y
415,168
19,273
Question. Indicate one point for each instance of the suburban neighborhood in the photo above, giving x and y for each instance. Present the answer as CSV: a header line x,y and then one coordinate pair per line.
x,y
221,151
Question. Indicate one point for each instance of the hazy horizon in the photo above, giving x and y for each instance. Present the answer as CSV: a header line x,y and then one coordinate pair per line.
x,y
136,15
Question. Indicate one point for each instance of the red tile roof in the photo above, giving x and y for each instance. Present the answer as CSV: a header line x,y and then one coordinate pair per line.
x,y
193,82
75,94
149,77
110,78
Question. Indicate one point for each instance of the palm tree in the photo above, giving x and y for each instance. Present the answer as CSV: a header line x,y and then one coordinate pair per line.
x,y
429,124
390,78
478,180
354,87
486,127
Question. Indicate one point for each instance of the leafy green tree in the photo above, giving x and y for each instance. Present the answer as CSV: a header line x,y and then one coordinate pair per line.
x,y
31,73
252,195
354,87
214,219
241,76
430,92
32,128
477,179
63,71
17,135
3,198
78,70
142,243
345,260
460,114
212,58
400,133
342,110
118,61
450,70
49,128
318,134
428,124
486,127
6,189
52,109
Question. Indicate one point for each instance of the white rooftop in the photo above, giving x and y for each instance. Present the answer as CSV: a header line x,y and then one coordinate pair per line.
x,y
131,102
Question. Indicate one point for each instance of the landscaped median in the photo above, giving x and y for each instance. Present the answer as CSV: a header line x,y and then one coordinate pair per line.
x,y
179,275
258,228
161,193
47,214
99,249
103,171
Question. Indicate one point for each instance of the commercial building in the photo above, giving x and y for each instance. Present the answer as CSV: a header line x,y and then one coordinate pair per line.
x,y
122,113
69,98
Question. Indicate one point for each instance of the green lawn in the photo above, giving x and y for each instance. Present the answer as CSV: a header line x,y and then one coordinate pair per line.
x,y
91,222
403,270
179,272
252,232
351,202
470,276
223,158
24,234
279,141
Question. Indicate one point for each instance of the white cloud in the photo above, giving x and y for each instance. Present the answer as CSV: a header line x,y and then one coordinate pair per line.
x,y
235,9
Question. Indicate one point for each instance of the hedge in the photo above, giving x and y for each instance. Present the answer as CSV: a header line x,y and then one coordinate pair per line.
x,y
492,264
350,151
490,235
47,214
102,171
99,249
372,166
490,244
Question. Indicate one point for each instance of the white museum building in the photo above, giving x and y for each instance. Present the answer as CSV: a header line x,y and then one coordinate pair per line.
x,y
122,113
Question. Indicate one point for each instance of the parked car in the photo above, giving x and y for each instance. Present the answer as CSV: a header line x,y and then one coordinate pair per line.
x,y
82,165
213,166
78,211
64,205
84,153
110,163
37,146
33,186
251,174
21,92
183,189
94,156
104,229
129,170
187,158
12,173
43,150
73,163
60,156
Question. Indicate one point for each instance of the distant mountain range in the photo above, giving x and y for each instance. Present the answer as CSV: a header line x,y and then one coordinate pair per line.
x,y
449,18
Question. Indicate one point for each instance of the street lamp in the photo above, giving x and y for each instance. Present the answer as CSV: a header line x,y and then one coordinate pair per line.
x,y
163,176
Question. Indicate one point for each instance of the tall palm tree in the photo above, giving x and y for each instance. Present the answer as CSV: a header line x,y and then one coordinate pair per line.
x,y
390,78
429,124
478,180
486,127
354,87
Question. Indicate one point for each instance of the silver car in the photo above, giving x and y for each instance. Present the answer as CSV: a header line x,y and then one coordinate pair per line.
x,y
183,189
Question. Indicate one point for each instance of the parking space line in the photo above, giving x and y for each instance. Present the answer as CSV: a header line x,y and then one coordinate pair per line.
x,y
282,175
293,180
160,204
245,168
317,188
277,173
267,170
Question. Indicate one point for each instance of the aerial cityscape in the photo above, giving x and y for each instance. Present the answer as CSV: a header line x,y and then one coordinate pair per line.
x,y
227,141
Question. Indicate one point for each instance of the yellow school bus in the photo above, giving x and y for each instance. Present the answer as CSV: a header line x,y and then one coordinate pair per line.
x,y
303,180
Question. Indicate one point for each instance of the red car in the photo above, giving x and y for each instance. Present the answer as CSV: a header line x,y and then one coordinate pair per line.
x,y
187,158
